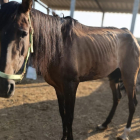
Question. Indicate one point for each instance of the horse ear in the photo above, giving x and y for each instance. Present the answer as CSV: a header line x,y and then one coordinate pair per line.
x,y
26,5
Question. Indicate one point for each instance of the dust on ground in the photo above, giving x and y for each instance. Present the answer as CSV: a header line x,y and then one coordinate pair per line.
x,y
32,113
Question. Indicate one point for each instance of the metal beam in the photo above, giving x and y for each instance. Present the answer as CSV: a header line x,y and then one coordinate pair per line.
x,y
72,8
135,11
48,11
44,5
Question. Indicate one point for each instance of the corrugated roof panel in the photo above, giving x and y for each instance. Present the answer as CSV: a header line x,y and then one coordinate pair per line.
x,y
129,5
124,6
82,4
88,5
95,4
113,5
107,5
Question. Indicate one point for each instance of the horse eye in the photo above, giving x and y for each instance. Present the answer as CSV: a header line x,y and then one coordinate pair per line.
x,y
23,34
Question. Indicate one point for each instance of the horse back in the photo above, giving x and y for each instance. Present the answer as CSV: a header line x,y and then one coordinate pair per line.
x,y
94,53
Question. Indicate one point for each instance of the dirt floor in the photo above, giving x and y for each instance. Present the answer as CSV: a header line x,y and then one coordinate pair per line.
x,y
32,113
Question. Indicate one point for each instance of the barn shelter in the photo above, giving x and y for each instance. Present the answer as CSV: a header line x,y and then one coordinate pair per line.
x,y
104,6
115,6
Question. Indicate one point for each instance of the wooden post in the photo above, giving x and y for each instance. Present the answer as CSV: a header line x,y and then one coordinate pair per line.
x,y
72,8
135,11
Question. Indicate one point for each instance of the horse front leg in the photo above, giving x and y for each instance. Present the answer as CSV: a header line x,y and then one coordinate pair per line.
x,y
61,103
70,89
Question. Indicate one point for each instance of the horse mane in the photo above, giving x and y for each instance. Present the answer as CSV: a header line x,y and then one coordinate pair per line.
x,y
48,40
54,14
52,34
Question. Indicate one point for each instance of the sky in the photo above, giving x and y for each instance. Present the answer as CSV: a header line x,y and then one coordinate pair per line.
x,y
94,18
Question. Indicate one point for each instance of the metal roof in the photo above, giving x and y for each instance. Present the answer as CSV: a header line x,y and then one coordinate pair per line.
x,y
122,6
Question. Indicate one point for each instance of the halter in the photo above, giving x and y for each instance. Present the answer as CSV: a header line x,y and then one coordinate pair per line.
x,y
20,76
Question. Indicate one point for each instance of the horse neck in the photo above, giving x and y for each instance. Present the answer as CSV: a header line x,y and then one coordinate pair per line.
x,y
47,40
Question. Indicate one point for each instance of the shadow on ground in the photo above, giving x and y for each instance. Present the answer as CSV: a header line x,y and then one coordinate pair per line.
x,y
41,120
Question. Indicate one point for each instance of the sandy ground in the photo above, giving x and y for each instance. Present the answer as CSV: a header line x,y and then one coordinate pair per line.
x,y
32,114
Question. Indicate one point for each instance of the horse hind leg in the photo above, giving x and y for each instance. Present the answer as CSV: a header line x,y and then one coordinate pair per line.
x,y
114,79
129,79
132,106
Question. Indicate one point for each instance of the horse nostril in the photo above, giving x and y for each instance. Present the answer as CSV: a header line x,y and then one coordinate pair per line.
x,y
11,88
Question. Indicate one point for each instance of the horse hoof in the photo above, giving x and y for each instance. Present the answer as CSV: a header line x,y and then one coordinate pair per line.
x,y
101,128
64,138
119,138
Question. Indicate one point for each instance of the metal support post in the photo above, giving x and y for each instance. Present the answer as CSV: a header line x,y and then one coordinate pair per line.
x,y
103,19
72,8
135,11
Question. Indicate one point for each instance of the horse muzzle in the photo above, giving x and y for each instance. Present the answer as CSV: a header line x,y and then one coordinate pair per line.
x,y
11,88
7,88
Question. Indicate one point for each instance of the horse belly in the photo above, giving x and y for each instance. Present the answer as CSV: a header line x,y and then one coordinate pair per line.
x,y
98,71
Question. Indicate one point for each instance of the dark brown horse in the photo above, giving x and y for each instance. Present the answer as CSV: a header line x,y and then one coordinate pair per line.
x,y
66,53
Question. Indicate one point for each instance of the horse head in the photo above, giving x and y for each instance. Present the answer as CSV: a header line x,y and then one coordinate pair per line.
x,y
14,37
